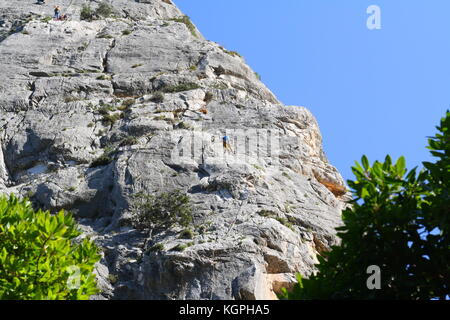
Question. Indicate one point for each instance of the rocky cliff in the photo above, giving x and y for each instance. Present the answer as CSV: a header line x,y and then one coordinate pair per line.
x,y
95,112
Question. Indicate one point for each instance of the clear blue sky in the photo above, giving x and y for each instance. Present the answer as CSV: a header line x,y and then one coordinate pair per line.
x,y
373,92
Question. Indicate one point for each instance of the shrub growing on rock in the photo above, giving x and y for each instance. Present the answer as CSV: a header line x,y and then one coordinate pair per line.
x,y
105,159
86,13
187,234
38,256
156,247
158,97
104,10
186,21
162,211
128,141
209,96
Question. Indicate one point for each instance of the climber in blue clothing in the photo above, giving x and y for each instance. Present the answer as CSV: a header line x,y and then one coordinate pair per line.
x,y
226,144
57,12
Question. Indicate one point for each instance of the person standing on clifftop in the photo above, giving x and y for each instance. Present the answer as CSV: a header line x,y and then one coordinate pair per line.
x,y
57,12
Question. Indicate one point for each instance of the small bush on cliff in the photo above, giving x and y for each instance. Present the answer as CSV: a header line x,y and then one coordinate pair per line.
x,y
187,234
106,158
162,211
110,119
399,222
187,21
104,10
209,96
158,97
86,13
38,258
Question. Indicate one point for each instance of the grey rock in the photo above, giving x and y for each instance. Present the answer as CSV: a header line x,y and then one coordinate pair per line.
x,y
152,100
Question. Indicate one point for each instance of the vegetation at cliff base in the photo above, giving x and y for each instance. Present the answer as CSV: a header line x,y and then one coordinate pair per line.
x,y
39,259
400,222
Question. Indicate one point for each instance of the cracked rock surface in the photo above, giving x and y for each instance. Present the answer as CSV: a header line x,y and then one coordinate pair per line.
x,y
154,98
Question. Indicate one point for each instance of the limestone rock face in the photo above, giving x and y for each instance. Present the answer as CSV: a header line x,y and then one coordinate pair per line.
x,y
147,92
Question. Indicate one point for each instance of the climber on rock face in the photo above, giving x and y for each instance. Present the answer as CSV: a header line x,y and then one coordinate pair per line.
x,y
226,144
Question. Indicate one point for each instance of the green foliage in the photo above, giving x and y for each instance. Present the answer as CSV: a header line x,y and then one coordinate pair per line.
x,y
285,222
400,222
105,36
126,32
128,141
38,257
209,96
113,278
273,215
267,214
156,247
104,10
187,21
105,109
162,211
158,97
105,159
86,13
129,102
285,174
180,247
110,119
187,234
231,53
